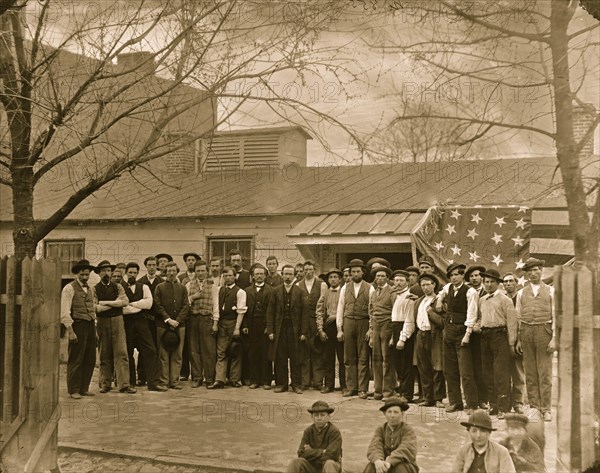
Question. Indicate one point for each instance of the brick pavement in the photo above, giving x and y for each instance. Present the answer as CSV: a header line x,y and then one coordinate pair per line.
x,y
245,429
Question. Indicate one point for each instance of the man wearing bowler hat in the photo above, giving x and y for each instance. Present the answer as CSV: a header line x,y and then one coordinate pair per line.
x,y
326,313
393,448
352,320
110,298
77,314
321,445
461,315
162,259
498,324
537,330
525,453
481,454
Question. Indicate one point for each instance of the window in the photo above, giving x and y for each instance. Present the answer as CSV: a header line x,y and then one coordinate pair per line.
x,y
221,246
68,252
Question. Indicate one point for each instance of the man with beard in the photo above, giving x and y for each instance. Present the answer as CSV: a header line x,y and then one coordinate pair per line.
x,y
537,322
173,307
312,364
517,371
109,302
287,327
202,325
137,330
273,278
242,276
77,314
326,313
461,315
352,320
258,299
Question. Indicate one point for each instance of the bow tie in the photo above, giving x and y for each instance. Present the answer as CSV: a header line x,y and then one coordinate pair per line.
x,y
84,284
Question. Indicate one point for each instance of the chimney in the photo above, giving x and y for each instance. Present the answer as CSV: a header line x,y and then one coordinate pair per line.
x,y
181,161
138,61
583,117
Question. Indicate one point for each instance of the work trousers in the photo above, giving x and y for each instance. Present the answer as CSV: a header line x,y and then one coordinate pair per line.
x,y
495,360
302,465
333,349
141,370
518,395
356,353
480,379
261,368
138,335
458,367
403,360
185,357
113,351
202,346
312,359
224,338
383,365
538,364
434,384
170,361
288,349
82,357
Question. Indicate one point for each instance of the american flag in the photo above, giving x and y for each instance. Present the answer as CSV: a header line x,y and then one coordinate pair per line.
x,y
495,237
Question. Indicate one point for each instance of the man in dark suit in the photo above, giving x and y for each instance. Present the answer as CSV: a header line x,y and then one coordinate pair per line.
x,y
242,280
287,327
258,299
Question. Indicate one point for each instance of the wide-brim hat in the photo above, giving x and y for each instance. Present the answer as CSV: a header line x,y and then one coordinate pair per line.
x,y
233,349
454,266
401,272
512,418
320,406
427,260
412,269
104,264
81,265
381,261
325,276
170,339
481,419
401,403
470,269
195,255
164,255
532,263
431,277
492,273
354,263
378,268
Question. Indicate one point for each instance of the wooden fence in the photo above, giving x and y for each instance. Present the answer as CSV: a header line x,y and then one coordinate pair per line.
x,y
577,309
29,354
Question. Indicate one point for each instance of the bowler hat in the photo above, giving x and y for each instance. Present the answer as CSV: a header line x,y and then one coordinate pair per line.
x,y
195,255
454,266
164,255
492,273
432,278
356,263
234,348
532,263
479,418
427,260
320,406
377,268
398,401
401,272
383,262
512,418
470,269
325,276
81,265
412,269
147,258
104,264
170,339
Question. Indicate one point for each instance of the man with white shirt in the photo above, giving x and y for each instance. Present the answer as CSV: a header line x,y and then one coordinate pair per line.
x,y
352,320
78,315
190,260
381,301
536,336
429,344
202,325
312,364
460,318
403,327
232,307
216,265
137,330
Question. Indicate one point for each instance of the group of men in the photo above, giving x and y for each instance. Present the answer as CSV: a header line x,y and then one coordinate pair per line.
x,y
223,324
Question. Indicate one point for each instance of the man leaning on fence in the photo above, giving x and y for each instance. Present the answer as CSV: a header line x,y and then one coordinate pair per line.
x,y
78,315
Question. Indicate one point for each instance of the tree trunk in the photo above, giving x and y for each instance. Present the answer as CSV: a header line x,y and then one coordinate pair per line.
x,y
24,235
565,141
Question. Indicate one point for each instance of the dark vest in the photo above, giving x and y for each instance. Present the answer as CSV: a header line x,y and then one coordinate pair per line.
x,y
313,296
287,303
153,313
82,307
108,293
138,295
260,303
228,300
457,306
357,308
383,303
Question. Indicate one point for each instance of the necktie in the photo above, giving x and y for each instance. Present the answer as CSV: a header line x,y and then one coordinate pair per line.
x,y
378,291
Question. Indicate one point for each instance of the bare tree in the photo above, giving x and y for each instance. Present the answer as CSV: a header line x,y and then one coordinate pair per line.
x,y
518,51
78,101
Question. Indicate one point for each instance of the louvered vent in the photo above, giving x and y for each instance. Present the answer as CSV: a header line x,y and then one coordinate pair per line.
x,y
225,152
